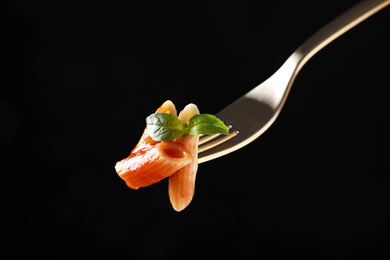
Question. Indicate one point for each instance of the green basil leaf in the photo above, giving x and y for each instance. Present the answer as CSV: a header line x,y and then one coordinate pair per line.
x,y
164,127
206,124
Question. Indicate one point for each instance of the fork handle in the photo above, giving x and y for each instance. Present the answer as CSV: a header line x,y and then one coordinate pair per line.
x,y
337,27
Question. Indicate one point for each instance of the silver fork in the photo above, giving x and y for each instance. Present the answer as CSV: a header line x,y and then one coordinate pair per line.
x,y
252,114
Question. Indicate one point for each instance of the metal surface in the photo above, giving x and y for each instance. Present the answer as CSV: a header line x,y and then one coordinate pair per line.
x,y
253,113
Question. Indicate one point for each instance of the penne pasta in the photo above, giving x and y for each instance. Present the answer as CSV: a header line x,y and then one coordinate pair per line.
x,y
181,185
152,163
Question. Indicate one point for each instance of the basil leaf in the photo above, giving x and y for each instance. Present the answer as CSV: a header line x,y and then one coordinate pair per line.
x,y
164,127
206,124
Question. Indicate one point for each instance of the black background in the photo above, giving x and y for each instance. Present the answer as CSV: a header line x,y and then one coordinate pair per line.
x,y
82,77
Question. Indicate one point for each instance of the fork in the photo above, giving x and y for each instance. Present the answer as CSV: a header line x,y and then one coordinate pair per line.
x,y
251,115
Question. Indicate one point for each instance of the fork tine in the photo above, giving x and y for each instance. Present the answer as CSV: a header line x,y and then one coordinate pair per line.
x,y
206,138
210,144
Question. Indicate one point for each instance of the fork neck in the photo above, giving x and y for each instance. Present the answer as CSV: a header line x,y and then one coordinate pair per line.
x,y
337,27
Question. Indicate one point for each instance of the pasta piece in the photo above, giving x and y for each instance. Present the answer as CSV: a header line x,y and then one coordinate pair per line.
x,y
152,163
182,184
